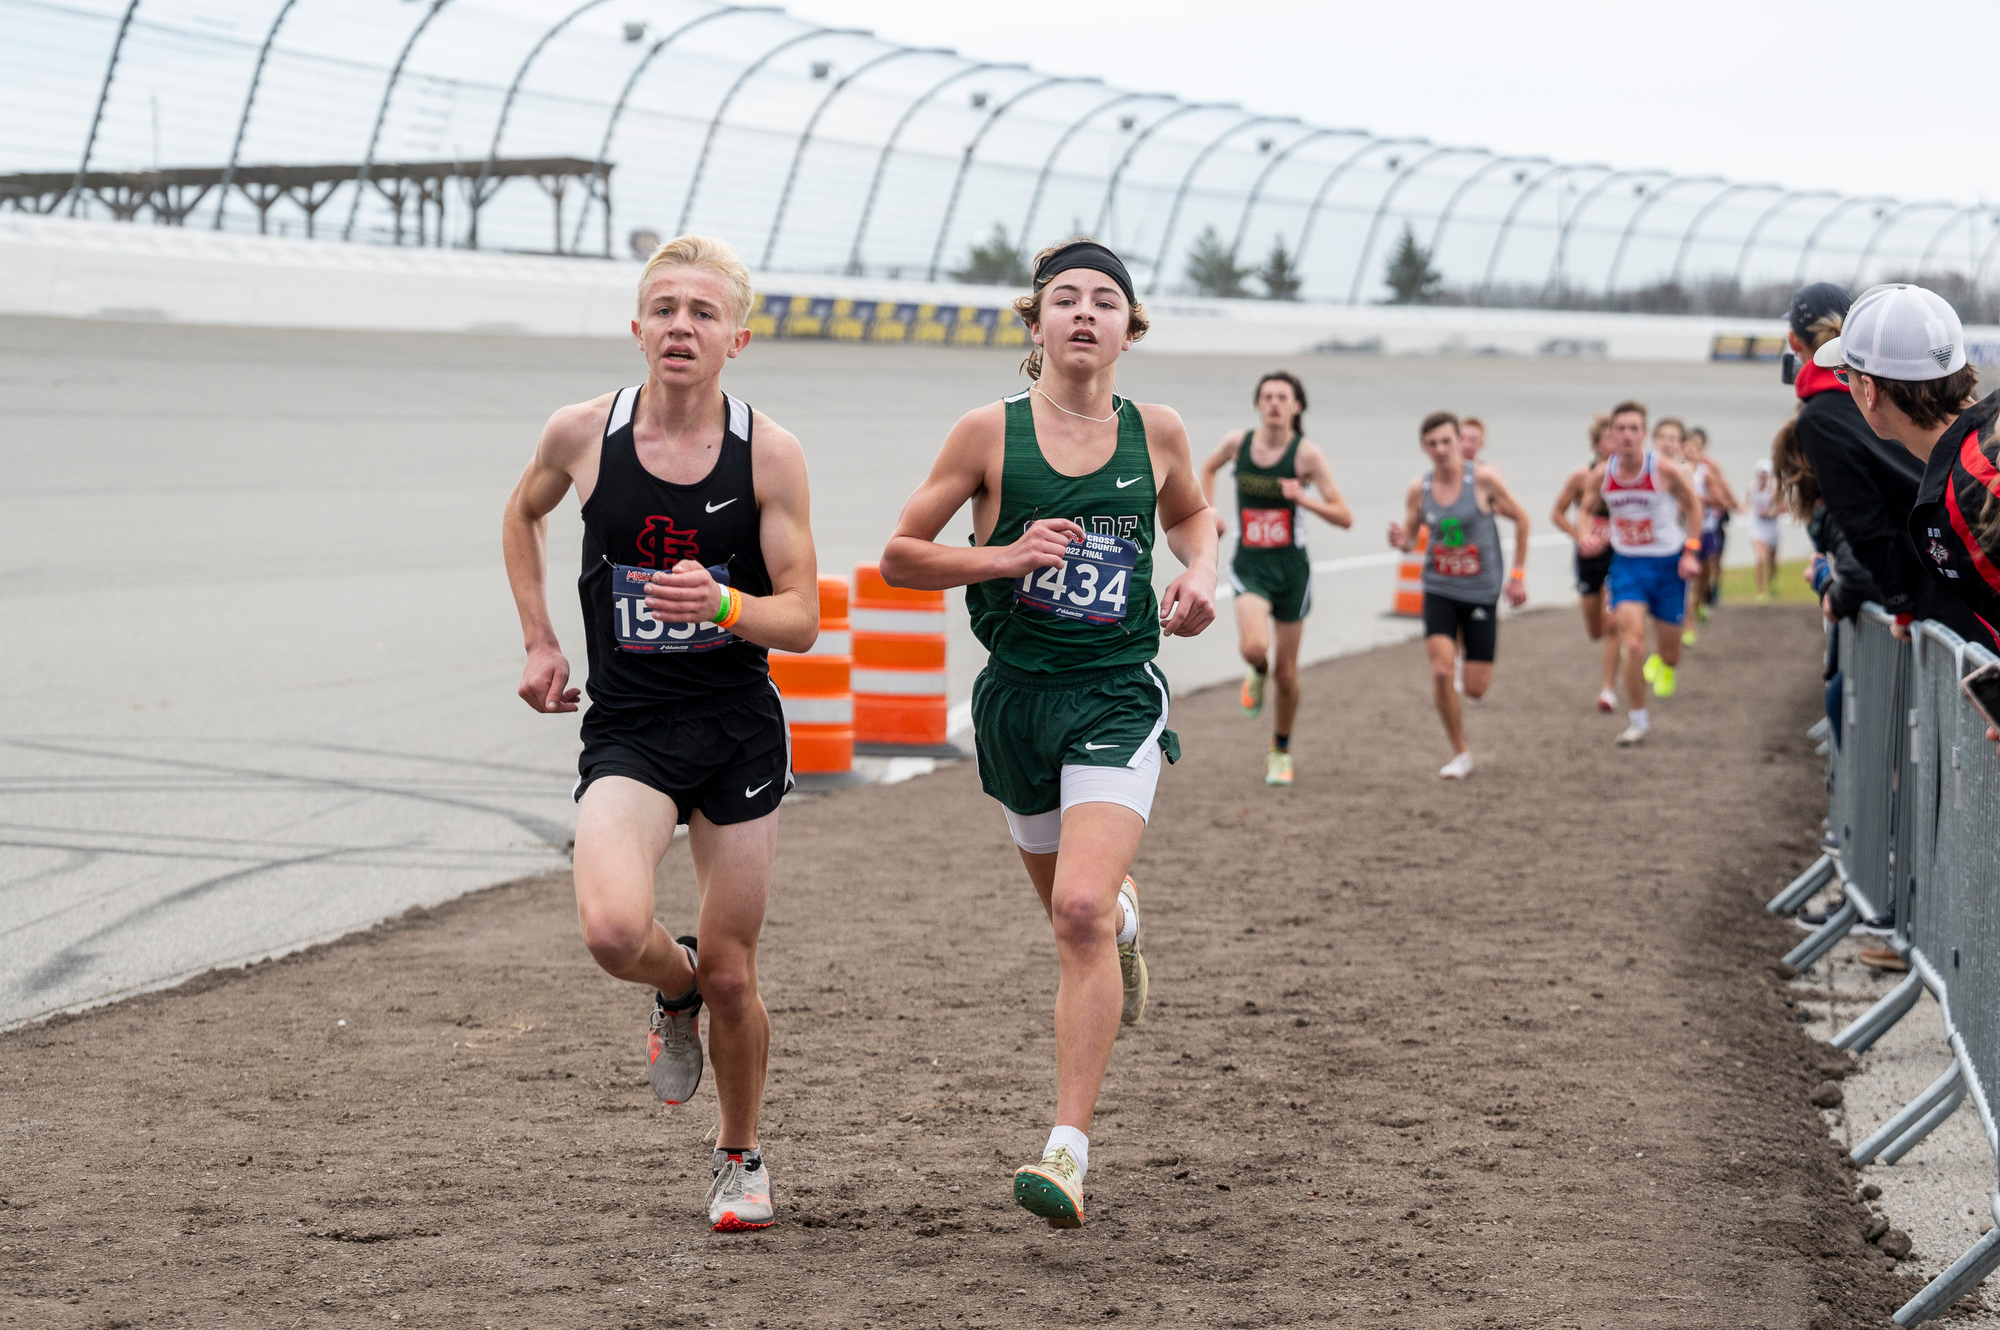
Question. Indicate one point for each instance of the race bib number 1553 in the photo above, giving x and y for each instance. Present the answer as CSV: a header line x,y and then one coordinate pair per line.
x,y
1092,584
637,630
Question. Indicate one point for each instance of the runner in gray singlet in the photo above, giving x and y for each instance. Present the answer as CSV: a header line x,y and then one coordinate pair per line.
x,y
1457,502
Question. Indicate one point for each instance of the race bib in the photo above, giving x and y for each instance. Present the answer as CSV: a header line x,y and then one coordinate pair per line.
x,y
1635,530
1267,528
637,630
1092,584
1455,560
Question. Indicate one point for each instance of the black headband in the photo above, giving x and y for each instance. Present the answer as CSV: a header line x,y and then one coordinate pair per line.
x,y
1086,254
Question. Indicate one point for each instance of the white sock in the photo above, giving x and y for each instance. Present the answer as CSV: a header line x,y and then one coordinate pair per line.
x,y
1078,1143
1640,718
1128,930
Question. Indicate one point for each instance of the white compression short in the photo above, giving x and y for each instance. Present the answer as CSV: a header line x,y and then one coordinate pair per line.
x,y
1765,530
1129,787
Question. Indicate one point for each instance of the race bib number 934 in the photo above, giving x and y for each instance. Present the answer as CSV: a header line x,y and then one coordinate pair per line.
x,y
1092,584
637,630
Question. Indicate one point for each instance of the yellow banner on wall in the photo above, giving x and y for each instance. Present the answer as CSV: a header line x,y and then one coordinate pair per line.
x,y
826,318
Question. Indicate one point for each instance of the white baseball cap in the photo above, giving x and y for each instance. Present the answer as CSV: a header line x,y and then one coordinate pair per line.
x,y
1898,332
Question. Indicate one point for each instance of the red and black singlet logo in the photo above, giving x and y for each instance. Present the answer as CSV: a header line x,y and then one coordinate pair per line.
x,y
661,544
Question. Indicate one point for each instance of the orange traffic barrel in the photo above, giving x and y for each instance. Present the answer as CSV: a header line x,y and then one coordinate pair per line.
x,y
817,692
899,679
1410,579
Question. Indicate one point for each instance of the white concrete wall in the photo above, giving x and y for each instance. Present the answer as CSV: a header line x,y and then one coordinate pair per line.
x,y
105,270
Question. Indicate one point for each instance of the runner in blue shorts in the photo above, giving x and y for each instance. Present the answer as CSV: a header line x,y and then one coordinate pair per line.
x,y
1652,505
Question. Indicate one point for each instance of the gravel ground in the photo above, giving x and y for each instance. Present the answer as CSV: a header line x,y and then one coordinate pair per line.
x,y
1501,1054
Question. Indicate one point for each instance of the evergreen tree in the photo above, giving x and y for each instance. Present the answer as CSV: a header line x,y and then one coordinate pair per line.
x,y
1410,274
994,263
1280,273
1212,267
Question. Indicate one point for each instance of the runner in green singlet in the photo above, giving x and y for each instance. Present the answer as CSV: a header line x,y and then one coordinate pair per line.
x,y
1272,573
1066,482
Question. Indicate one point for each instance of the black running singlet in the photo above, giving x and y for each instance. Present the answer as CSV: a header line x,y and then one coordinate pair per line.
x,y
635,519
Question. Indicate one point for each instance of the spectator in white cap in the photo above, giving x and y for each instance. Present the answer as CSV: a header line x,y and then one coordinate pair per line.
x,y
1905,361
1901,354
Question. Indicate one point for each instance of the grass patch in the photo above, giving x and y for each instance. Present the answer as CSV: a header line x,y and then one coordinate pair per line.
x,y
1739,585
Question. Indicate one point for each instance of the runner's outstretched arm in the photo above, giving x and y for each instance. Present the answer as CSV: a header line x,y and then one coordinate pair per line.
x,y
1502,501
914,559
1589,544
1569,496
1403,534
788,618
1188,604
1730,503
1311,465
1689,505
1221,457
524,538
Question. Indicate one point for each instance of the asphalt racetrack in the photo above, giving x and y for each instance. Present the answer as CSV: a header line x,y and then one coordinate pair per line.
x,y
263,652
1484,1056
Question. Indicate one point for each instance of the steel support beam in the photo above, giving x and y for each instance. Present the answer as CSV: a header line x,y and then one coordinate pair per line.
x,y
972,149
1757,227
722,108
1589,196
1333,177
889,148
1520,201
243,120
1819,228
382,114
1924,264
1187,179
1639,215
1465,187
1271,169
1702,214
479,195
812,123
625,95
97,116
1138,142
1062,141
1888,223
1382,210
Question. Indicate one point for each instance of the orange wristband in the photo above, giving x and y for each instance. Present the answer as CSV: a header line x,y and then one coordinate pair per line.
x,y
1519,574
735,610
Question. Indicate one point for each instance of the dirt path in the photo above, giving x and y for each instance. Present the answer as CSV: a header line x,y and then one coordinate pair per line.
x,y
1508,1053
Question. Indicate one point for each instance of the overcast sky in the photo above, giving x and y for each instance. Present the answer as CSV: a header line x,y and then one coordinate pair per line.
x,y
1743,88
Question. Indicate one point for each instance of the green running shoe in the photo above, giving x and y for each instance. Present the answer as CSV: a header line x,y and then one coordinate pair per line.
x,y
1052,1189
1663,682
1252,699
1651,669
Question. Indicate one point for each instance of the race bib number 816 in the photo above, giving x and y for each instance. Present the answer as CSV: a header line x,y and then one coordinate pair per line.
x,y
637,630
1092,584
1267,528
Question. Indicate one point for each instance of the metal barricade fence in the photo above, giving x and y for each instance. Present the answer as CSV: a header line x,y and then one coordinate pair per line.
x,y
1914,800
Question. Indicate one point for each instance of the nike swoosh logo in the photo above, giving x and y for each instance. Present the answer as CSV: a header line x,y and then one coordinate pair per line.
x,y
1094,747
716,508
1133,481
752,794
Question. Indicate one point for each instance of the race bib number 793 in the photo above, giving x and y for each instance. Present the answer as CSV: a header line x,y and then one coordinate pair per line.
x,y
637,630
1092,584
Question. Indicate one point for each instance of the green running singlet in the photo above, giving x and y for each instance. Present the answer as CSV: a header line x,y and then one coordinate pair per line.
x,y
1265,519
1115,503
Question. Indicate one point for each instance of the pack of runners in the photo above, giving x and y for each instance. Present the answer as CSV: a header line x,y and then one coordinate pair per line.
x,y
698,560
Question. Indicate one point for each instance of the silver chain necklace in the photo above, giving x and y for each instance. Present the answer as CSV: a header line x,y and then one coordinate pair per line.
x,y
1095,420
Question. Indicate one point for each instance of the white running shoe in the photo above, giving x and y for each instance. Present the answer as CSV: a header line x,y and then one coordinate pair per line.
x,y
1131,965
1052,1189
673,1047
1607,701
1632,736
1458,768
739,1199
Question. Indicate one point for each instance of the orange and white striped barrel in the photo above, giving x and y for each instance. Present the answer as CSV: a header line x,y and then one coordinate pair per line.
x,y
899,680
1410,579
817,689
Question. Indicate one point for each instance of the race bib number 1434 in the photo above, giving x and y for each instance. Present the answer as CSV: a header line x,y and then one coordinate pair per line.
x,y
1092,584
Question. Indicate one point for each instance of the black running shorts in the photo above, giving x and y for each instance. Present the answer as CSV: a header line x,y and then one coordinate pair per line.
x,y
1591,572
1479,623
730,757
